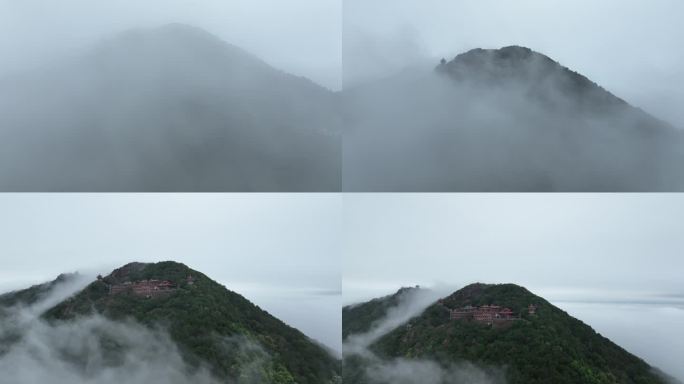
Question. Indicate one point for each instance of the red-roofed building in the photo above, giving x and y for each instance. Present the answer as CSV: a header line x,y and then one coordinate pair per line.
x,y
484,314
146,288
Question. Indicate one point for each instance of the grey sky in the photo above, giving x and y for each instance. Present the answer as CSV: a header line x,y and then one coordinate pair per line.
x,y
630,47
568,245
280,251
298,36
602,257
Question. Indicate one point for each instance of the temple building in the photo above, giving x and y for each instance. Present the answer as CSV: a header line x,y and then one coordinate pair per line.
x,y
485,314
145,288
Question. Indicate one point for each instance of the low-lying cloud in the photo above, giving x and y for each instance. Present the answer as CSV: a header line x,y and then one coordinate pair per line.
x,y
94,349
404,371
98,350
410,304
502,125
378,370
172,108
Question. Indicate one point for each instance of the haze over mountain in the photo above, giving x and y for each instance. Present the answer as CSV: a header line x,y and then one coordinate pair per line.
x,y
167,109
611,260
177,109
162,322
542,344
596,39
508,119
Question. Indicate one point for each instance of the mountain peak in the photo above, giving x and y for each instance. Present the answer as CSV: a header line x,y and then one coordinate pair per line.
x,y
173,30
175,35
67,276
532,74
497,64
126,270
505,325
179,27
511,53
477,294
407,289
164,270
206,320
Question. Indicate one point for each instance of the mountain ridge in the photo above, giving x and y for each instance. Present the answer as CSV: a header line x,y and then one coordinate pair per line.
x,y
544,345
360,317
515,62
209,323
167,109
503,120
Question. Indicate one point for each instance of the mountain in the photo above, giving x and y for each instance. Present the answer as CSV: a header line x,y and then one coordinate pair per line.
x,y
508,119
177,109
360,318
34,293
210,325
506,327
166,109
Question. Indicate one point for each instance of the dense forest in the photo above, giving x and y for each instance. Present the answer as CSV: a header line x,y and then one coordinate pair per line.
x,y
359,318
548,346
209,323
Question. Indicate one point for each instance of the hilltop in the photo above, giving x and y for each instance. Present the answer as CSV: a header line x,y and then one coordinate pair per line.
x,y
36,292
173,108
537,73
506,119
535,342
360,318
210,324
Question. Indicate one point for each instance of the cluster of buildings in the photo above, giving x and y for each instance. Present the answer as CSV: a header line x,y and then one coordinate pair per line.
x,y
488,314
145,288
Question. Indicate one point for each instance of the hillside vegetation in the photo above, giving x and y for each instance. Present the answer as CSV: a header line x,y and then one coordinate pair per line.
x,y
548,346
210,324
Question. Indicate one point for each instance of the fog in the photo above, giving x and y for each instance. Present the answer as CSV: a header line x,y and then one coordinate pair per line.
x,y
399,370
179,100
625,46
45,352
591,255
94,349
512,120
505,120
247,96
300,36
279,251
411,304
405,371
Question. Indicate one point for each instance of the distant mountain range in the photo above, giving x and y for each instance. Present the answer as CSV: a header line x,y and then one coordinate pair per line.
x,y
507,119
500,328
210,325
167,109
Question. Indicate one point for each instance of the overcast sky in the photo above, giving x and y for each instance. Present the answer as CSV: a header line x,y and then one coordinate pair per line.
x,y
281,252
630,47
298,36
570,246
605,258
